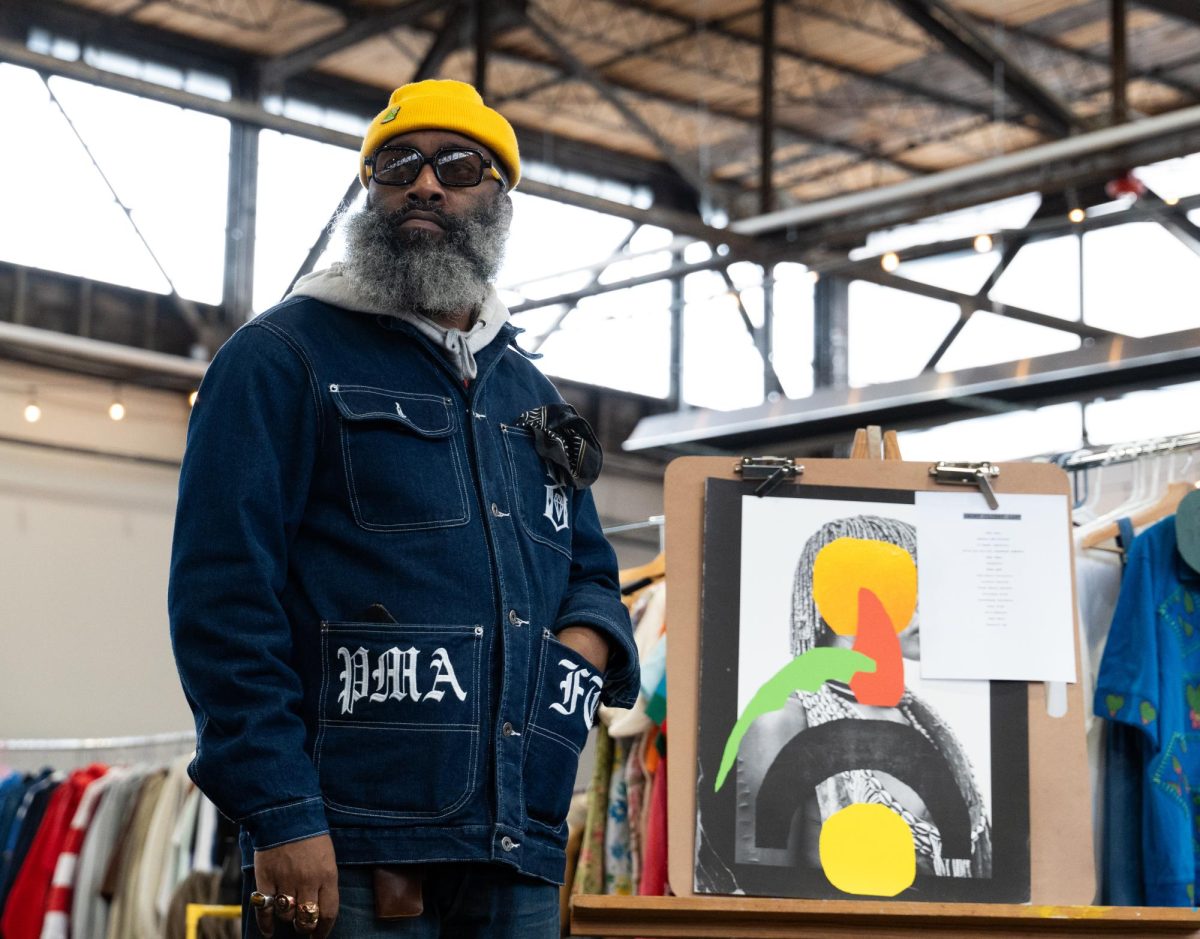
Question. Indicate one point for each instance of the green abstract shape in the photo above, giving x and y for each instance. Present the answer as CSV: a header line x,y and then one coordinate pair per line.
x,y
1114,703
806,672
1193,696
1147,712
1189,604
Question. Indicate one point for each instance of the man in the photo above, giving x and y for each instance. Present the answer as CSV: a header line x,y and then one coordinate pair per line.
x,y
392,607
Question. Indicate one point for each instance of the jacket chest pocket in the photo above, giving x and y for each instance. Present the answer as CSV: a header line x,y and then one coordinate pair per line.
x,y
564,709
399,721
543,506
403,468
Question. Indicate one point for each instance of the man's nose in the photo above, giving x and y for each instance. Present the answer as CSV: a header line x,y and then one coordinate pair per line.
x,y
426,187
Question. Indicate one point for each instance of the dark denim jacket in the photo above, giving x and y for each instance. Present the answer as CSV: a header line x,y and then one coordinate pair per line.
x,y
370,563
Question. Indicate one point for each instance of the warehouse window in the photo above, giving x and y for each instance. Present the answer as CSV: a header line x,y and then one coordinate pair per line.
x,y
290,218
69,220
893,334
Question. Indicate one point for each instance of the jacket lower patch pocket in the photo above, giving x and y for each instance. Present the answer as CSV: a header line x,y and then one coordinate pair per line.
x,y
409,696
564,710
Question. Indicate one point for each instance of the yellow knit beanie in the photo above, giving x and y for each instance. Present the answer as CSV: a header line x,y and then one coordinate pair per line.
x,y
441,104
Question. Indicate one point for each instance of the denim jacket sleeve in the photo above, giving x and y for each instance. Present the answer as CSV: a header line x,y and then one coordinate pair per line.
x,y
251,445
593,599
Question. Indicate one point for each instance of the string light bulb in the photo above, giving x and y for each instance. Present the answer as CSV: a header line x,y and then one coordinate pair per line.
x,y
814,276
1171,200
33,413
890,261
983,243
1077,215
192,398
116,411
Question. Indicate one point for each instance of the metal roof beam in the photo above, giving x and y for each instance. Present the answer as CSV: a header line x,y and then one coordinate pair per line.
x,y
962,40
720,26
1106,366
1186,10
582,71
275,70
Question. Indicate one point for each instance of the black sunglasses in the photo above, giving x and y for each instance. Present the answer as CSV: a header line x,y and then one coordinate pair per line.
x,y
453,166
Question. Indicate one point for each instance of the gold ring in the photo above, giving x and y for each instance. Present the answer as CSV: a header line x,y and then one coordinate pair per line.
x,y
284,904
307,913
261,901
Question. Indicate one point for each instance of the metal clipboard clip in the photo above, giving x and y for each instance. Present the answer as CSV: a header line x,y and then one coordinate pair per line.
x,y
969,474
772,470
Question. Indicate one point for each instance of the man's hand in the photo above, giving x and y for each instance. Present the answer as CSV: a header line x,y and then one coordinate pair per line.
x,y
588,643
306,871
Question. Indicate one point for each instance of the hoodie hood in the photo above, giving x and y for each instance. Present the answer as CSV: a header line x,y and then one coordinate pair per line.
x,y
332,286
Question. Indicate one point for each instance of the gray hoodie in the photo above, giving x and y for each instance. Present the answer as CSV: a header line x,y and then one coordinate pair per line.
x,y
332,286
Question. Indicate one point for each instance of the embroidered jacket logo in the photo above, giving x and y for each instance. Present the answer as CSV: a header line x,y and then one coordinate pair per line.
x,y
579,683
557,506
394,677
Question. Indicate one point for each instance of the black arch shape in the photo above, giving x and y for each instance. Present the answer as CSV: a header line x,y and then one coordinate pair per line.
x,y
817,753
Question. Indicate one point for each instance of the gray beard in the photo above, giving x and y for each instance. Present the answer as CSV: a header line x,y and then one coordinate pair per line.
x,y
403,270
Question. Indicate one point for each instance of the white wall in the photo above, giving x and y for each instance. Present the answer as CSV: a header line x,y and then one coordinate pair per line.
x,y
84,553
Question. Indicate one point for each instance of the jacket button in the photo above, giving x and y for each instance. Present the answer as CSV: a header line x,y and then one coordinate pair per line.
x,y
496,511
513,618
508,729
507,843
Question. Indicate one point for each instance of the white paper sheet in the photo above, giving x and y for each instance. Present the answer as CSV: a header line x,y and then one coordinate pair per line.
x,y
994,587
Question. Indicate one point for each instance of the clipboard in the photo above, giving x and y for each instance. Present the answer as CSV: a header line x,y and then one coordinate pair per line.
x,y
1061,856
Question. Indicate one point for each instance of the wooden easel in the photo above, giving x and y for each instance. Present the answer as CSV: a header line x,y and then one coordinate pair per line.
x,y
1065,827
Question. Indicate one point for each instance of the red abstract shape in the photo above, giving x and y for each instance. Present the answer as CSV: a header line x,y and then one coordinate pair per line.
x,y
877,638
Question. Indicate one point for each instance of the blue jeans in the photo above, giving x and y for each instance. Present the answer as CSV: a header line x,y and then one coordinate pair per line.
x,y
461,901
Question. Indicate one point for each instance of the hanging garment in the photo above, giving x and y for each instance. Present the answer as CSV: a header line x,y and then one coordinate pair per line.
x,y
26,906
654,863
156,852
589,875
12,791
178,864
24,827
618,877
121,879
89,907
1150,681
58,903
635,787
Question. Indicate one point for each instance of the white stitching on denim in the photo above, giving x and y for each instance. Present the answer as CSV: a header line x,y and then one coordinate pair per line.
x,y
310,372
470,785
566,551
280,808
406,526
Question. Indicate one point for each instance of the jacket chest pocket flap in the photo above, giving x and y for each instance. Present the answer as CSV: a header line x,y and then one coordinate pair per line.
x,y
404,471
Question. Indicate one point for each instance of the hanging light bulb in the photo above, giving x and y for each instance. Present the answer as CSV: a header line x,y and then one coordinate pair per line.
x,y
1077,215
192,398
983,243
814,276
116,411
33,413
1171,200
890,261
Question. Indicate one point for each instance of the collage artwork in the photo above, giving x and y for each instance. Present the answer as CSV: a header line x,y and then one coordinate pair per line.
x,y
827,767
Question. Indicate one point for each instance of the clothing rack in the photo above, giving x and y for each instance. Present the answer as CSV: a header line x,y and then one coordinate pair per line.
x,y
1127,452
48,744
654,521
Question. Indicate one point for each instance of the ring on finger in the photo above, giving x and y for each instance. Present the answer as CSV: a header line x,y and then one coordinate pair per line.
x,y
307,913
262,901
284,903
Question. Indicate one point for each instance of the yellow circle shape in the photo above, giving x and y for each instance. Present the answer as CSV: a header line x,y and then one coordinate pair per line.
x,y
868,851
848,565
